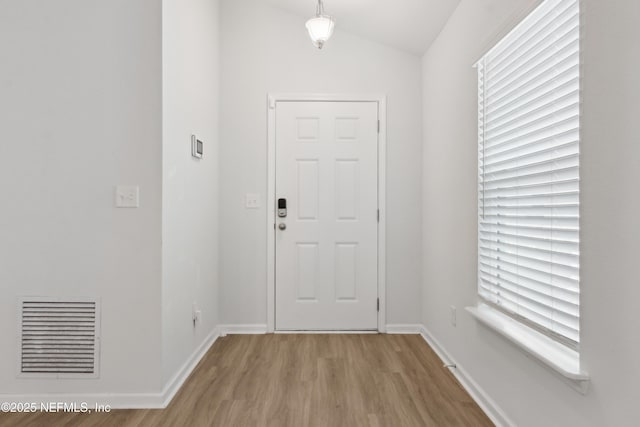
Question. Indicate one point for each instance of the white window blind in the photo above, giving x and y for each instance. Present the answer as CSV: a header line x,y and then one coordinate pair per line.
x,y
529,133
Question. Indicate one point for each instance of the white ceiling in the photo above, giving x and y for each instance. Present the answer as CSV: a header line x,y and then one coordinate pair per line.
x,y
409,25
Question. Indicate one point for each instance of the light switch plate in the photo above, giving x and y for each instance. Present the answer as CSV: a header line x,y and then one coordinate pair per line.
x,y
127,196
252,201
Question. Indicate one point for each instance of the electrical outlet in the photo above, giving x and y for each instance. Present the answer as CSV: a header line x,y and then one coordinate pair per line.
x,y
453,315
196,313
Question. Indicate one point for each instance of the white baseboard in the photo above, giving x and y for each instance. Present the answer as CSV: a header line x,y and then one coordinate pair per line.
x,y
239,329
124,400
176,382
404,328
486,403
324,332
259,328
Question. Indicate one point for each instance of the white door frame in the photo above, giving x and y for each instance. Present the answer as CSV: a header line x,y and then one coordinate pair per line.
x,y
273,99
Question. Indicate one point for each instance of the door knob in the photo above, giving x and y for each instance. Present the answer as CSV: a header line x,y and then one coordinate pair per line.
x,y
282,226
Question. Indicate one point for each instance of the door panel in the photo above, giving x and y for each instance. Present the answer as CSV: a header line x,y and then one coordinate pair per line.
x,y
326,258
308,191
347,184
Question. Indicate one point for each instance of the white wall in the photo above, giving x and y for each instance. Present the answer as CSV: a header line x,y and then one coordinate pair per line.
x,y
80,111
190,186
610,225
267,50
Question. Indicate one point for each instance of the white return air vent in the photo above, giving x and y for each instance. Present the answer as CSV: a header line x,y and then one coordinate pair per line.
x,y
59,337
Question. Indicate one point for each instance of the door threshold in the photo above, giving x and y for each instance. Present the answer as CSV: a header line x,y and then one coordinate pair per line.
x,y
333,331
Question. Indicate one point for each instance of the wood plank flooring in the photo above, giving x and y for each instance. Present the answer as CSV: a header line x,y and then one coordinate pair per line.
x,y
303,380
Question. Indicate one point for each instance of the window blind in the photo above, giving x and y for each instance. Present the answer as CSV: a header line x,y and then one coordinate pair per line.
x,y
529,134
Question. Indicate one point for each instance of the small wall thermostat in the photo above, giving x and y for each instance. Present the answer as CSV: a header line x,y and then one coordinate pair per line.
x,y
196,147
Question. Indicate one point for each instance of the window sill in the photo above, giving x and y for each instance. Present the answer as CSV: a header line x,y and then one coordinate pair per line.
x,y
559,358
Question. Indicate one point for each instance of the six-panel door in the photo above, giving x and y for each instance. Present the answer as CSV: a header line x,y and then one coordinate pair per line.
x,y
326,255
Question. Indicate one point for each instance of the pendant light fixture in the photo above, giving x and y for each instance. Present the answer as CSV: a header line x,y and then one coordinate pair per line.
x,y
320,27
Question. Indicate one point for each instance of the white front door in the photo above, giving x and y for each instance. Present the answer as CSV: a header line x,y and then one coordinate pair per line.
x,y
326,247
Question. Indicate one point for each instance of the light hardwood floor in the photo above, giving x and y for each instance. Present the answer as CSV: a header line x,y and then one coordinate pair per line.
x,y
303,380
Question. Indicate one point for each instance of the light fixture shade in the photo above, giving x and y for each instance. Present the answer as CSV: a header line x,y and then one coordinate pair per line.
x,y
320,29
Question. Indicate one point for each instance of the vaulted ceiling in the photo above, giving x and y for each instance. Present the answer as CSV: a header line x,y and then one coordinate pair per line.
x,y
409,25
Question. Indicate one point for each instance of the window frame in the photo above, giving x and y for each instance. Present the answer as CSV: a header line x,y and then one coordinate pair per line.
x,y
571,345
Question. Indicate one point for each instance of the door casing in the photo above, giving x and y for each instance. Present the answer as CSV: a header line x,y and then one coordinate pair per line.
x,y
272,100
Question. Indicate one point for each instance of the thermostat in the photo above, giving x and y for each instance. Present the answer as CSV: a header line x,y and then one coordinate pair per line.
x,y
196,147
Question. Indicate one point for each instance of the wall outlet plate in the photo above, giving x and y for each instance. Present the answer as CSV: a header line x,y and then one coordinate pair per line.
x,y
454,320
127,196
195,313
252,201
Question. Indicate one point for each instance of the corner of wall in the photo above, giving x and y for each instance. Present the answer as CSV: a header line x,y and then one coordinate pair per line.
x,y
190,276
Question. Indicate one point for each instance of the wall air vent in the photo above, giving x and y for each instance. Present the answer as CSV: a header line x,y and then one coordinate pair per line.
x,y
60,337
